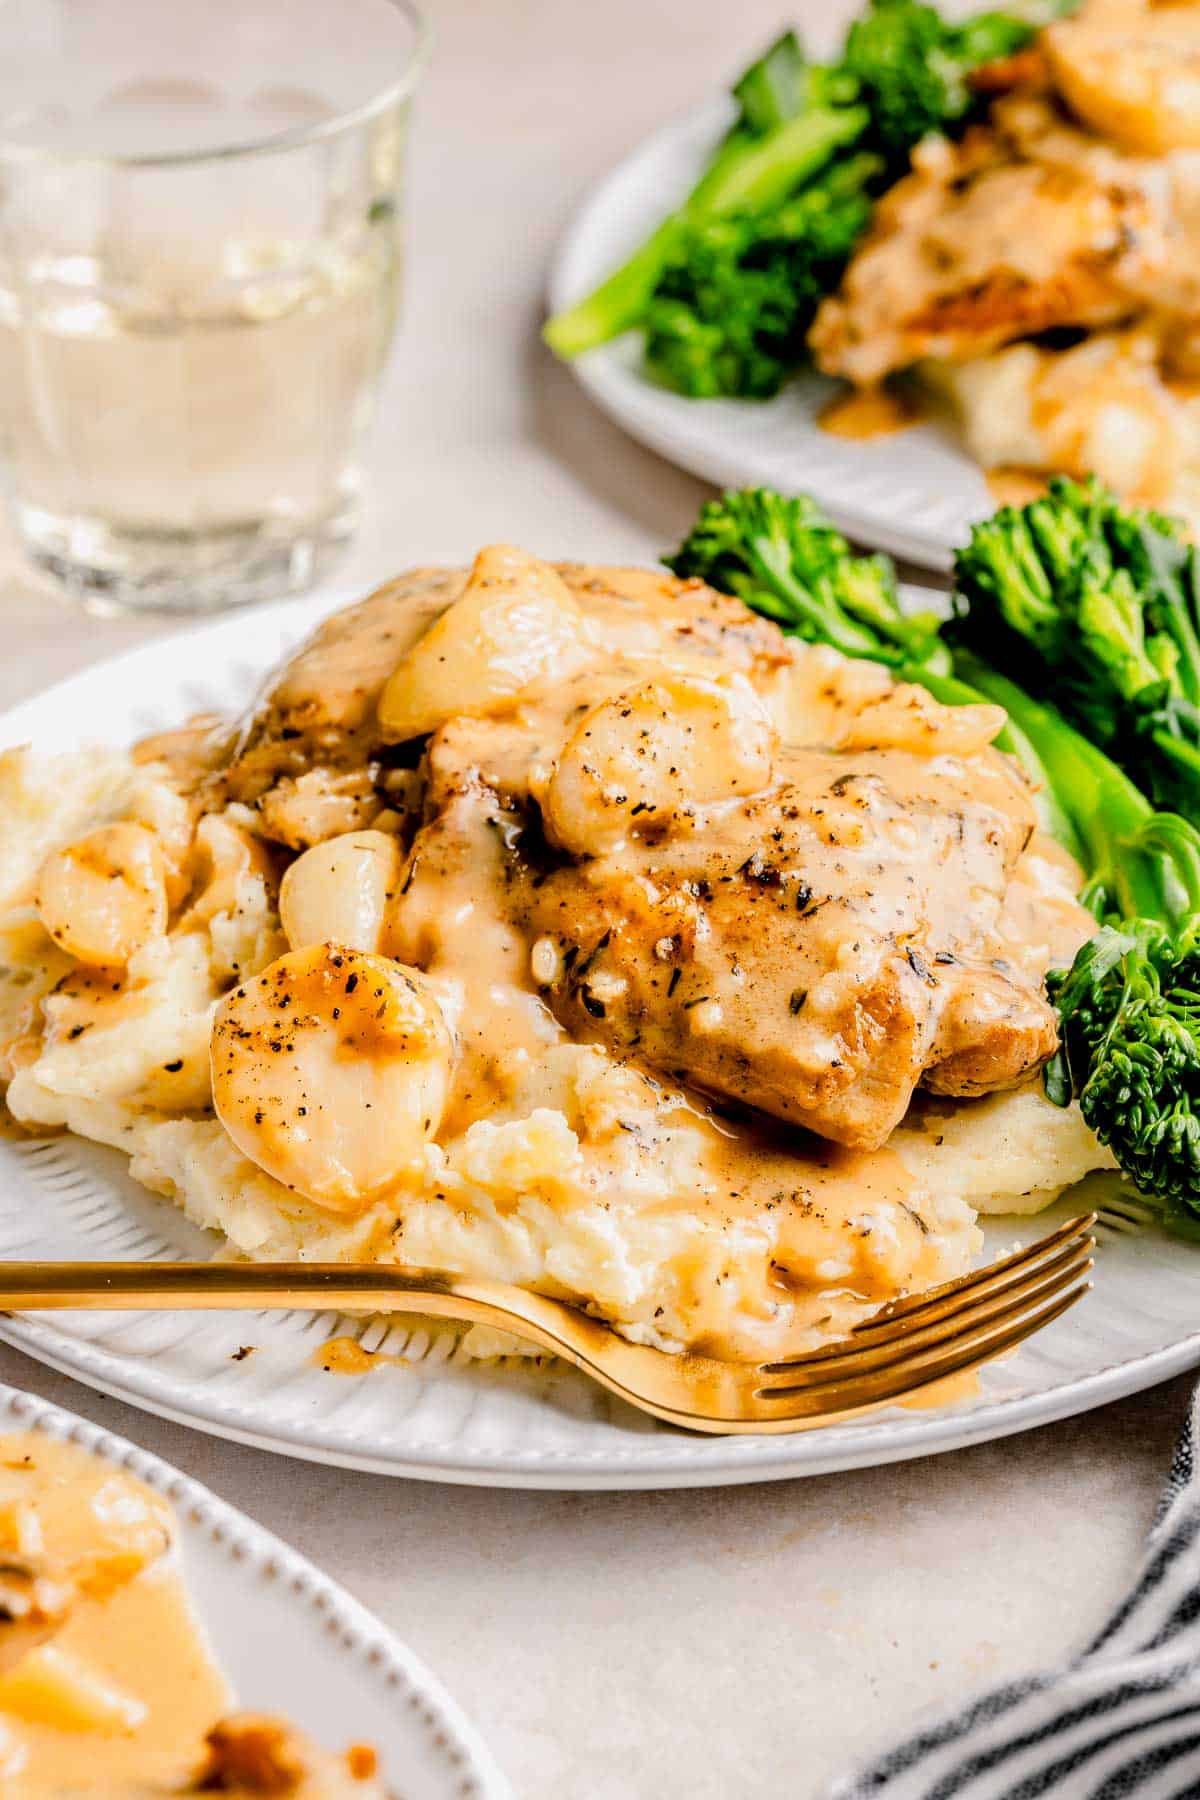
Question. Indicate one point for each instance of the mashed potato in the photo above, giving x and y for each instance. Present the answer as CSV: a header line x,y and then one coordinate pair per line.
x,y
1104,407
541,1159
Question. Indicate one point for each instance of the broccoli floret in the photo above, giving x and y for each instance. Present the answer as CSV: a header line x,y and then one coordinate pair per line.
x,y
784,558
791,121
1129,1008
913,67
1108,596
735,302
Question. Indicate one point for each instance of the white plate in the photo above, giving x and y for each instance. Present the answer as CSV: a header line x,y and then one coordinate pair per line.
x,y
331,1665
515,1424
915,493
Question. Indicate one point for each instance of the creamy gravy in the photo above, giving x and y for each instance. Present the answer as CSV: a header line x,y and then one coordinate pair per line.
x,y
950,1390
841,1228
130,1636
346,1356
870,412
1015,486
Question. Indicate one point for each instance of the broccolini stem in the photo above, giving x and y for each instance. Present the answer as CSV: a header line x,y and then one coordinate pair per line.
x,y
619,302
1139,864
1093,780
768,168
780,596
1186,756
746,172
1178,594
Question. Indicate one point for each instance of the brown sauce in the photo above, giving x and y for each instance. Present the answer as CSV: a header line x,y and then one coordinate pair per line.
x,y
871,412
1015,487
346,1356
951,1390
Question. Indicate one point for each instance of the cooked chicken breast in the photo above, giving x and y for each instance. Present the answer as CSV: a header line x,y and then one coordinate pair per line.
x,y
791,903
789,899
1021,228
1043,274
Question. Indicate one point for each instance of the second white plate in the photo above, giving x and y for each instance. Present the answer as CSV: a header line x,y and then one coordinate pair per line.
x,y
915,493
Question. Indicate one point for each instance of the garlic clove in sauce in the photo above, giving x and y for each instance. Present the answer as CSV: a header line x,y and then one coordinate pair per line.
x,y
104,896
338,892
330,1070
514,623
645,760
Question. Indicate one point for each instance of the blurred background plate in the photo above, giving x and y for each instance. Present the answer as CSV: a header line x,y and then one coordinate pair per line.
x,y
915,492
290,1640
515,1423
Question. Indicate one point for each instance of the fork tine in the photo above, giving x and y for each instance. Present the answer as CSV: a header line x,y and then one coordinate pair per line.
x,y
900,1316
902,1378
860,1358
981,1279
953,1298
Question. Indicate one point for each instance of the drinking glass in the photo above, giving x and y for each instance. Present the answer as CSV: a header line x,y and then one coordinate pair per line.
x,y
200,262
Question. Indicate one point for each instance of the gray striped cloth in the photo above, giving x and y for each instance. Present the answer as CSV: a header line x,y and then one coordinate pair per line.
x,y
1122,1718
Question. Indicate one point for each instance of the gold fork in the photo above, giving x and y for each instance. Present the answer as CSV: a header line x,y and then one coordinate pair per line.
x,y
897,1351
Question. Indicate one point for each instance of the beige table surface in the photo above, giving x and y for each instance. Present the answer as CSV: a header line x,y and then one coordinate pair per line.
x,y
741,1641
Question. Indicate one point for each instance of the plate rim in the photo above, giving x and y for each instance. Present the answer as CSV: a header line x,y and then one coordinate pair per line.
x,y
384,1657
609,383
663,1458
759,1458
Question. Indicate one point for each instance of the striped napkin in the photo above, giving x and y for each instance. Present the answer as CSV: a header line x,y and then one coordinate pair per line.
x,y
1121,1719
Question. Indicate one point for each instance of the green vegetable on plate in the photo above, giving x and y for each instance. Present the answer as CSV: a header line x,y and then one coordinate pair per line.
x,y
753,170
733,307
726,287
1129,1006
1107,598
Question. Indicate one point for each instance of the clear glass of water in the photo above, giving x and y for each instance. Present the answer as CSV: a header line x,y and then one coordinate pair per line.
x,y
200,263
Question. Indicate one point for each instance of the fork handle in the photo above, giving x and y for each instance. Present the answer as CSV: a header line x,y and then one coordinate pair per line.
x,y
213,1286
316,1287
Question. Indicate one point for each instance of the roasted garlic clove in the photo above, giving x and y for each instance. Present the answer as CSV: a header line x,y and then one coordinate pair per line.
x,y
338,892
514,623
225,855
909,718
648,759
105,895
330,1071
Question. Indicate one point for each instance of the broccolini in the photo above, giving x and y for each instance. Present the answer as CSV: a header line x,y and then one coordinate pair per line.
x,y
1107,597
727,309
732,309
1129,1006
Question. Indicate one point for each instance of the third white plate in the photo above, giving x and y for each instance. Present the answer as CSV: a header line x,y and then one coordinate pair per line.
x,y
289,1639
